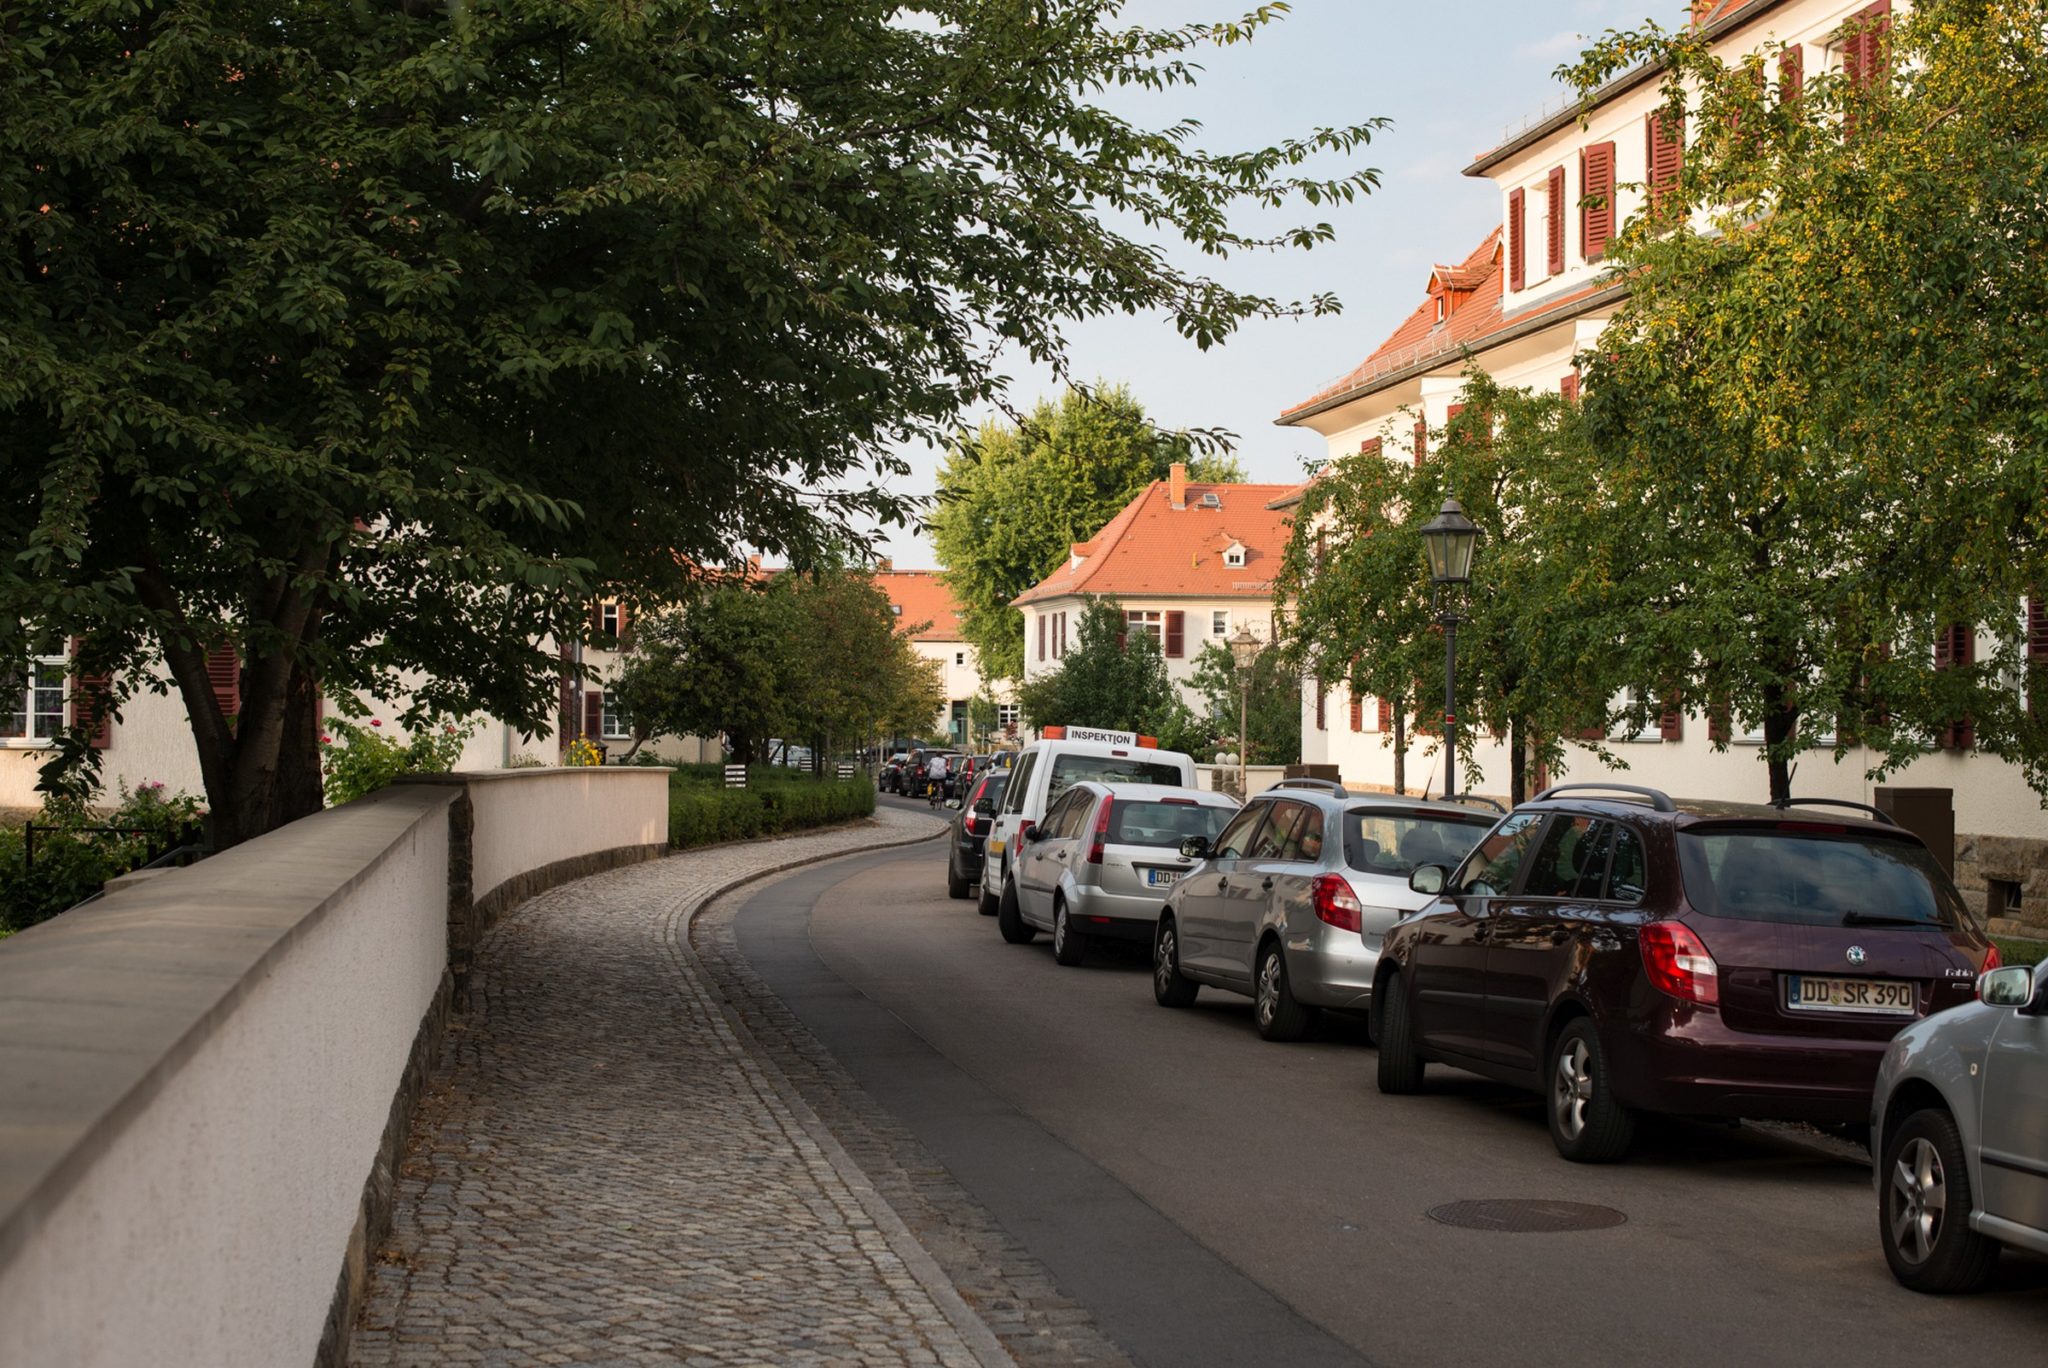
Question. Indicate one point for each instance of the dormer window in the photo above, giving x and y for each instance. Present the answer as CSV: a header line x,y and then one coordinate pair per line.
x,y
1443,308
1233,555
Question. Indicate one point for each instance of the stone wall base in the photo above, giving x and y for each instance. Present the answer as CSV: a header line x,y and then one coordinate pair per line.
x,y
2011,860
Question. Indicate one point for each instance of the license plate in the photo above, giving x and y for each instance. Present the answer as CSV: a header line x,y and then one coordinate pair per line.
x,y
1883,997
1161,878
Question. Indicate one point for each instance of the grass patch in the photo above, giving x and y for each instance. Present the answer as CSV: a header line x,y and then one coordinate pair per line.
x,y
702,811
2012,951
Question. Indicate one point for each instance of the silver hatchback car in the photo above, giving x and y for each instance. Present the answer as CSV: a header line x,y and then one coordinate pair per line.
x,y
1959,1125
1101,860
1291,902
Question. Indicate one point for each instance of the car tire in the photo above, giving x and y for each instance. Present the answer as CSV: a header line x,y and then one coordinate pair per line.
x,y
1170,987
1274,1010
1401,1066
956,882
1931,1248
1010,918
1069,946
1587,1124
986,903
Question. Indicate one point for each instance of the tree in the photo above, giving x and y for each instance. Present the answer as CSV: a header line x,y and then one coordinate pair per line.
x,y
363,345
1014,498
1272,715
1819,412
1110,679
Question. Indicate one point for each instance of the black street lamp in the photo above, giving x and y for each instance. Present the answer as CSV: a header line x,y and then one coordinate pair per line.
x,y
1450,539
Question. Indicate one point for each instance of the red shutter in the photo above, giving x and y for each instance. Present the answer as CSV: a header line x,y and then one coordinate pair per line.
x,y
1867,54
1123,635
1671,726
595,628
1386,715
1666,155
1421,440
1451,413
89,702
1953,646
593,713
1176,635
1791,74
1517,251
2037,651
1357,713
625,628
224,672
1717,722
1568,386
1322,708
1041,636
1553,232
1369,447
567,709
1596,188
1591,733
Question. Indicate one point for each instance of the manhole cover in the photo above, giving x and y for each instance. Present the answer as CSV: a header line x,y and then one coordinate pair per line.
x,y
1518,1216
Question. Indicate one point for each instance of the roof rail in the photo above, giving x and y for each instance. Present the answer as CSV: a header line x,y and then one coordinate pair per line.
x,y
1659,800
1879,813
1329,786
1493,803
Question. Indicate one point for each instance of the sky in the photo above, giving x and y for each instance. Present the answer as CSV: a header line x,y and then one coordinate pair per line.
x,y
1454,78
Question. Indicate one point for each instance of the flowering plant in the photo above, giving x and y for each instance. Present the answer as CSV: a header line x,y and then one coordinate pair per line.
x,y
355,760
582,751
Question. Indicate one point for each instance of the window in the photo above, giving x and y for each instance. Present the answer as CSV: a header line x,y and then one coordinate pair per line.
x,y
1233,556
959,657
1067,815
1020,784
1069,770
895,610
1628,699
1395,843
1165,823
1490,869
1767,873
2001,898
610,619
612,722
1237,837
1276,837
1006,716
1219,623
1146,621
1587,861
1305,840
35,702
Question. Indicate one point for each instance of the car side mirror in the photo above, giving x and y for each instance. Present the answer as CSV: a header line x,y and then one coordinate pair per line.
x,y
2012,986
1194,847
1428,878
1034,833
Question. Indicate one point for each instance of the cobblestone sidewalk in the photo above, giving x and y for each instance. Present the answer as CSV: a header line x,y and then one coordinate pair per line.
x,y
602,1172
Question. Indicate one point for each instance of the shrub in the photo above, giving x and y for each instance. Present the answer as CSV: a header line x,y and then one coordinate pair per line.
x,y
73,864
355,760
2014,951
702,811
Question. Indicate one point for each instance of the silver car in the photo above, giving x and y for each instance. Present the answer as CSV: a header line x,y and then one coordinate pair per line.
x,y
1959,1123
1101,860
1292,901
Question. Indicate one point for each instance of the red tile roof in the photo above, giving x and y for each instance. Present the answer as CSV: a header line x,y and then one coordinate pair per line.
x,y
920,596
1152,548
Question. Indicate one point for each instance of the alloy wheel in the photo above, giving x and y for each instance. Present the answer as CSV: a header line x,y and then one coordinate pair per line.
x,y
1267,1001
1917,1200
1162,961
1059,929
1572,1089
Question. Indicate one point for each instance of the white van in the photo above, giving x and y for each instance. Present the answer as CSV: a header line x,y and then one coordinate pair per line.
x,y
1061,757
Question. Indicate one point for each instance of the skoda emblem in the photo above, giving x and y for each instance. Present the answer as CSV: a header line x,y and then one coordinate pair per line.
x,y
1855,954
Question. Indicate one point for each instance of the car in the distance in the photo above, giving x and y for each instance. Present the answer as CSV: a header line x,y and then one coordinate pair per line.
x,y
1621,953
970,828
1959,1128
1098,863
890,780
1291,900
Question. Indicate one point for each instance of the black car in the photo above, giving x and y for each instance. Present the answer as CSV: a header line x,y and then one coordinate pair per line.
x,y
977,815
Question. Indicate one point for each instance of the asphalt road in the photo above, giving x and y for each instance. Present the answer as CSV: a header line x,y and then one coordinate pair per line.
x,y
1217,1199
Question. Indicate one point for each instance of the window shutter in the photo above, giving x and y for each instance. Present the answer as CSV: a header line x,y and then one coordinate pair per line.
x,y
1386,715
1553,230
596,625
1956,646
1568,386
1671,726
1717,722
1369,447
1322,708
224,673
567,709
1592,733
1866,56
593,713
1421,440
1517,250
1791,74
2037,653
1176,635
1666,155
1041,636
1357,713
625,628
1123,635
89,702
1596,205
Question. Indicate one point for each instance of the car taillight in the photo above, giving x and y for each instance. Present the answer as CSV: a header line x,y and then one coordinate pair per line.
x,y
1992,960
1335,903
1022,827
1101,831
1679,964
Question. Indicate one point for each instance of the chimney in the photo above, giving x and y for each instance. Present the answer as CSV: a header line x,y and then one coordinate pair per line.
x,y
888,565
1177,484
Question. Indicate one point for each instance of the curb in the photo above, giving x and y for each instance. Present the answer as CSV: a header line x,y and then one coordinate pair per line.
x,y
981,1341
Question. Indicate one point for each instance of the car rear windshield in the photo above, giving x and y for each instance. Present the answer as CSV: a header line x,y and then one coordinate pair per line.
x,y
1162,823
1377,841
992,788
1069,770
1816,876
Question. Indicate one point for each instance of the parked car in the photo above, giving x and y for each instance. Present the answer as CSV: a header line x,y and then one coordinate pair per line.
x,y
1290,903
970,829
1060,758
1960,1125
891,778
1625,953
916,773
1098,863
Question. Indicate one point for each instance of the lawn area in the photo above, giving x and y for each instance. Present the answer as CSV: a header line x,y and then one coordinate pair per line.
x,y
2021,951
702,811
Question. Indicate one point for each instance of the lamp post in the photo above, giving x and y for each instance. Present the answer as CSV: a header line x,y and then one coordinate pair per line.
x,y
1244,651
1450,539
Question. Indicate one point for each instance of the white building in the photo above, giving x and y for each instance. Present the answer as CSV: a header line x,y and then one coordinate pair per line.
x,y
1524,303
926,609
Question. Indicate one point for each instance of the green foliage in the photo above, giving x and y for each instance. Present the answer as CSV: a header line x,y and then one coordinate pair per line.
x,y
72,864
358,759
2014,951
372,340
1819,413
1272,712
702,812
1013,500
1113,680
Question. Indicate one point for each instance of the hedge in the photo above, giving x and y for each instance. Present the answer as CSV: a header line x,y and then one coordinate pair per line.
x,y
701,813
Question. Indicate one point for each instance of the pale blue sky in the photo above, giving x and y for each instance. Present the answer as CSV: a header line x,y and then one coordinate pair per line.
x,y
1452,77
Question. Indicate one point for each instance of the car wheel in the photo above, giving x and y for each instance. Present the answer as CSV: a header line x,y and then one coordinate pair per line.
x,y
1589,1126
986,904
1278,1015
1068,945
1170,987
1010,917
1924,1217
1401,1064
956,882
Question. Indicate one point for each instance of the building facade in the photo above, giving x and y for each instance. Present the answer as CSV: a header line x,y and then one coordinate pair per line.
x,y
927,612
1522,306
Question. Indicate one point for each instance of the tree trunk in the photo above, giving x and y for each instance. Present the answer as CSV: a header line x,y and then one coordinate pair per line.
x,y
1518,763
299,790
1400,750
1781,716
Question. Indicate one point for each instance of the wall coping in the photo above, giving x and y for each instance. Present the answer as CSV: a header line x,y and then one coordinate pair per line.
x,y
100,1008
464,778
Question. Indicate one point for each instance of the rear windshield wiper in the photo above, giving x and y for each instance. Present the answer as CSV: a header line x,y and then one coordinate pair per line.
x,y
1879,919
